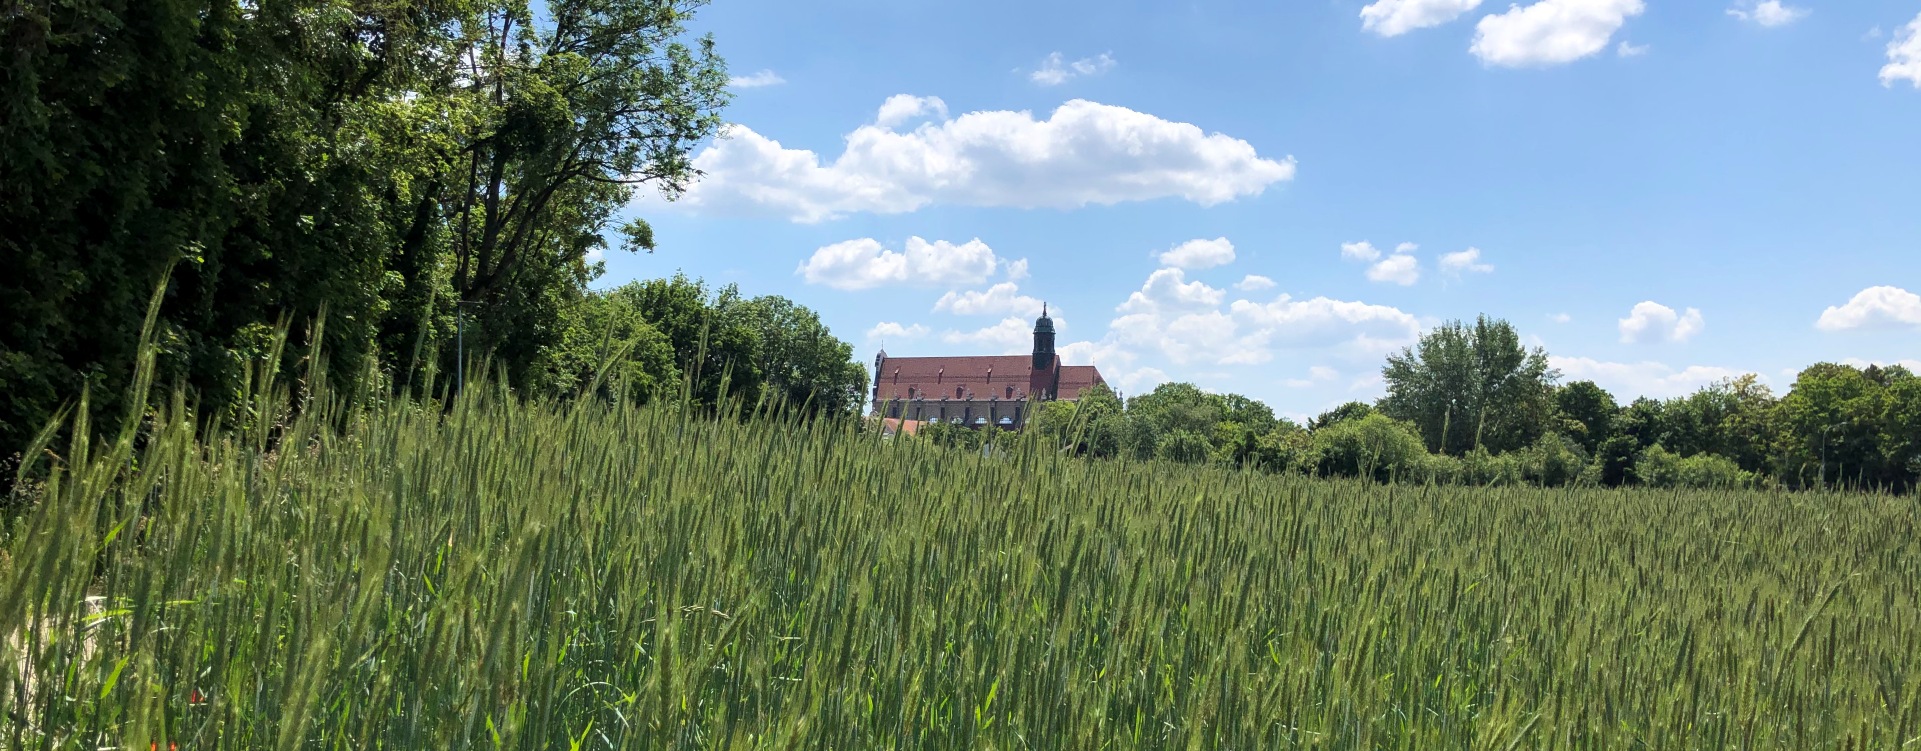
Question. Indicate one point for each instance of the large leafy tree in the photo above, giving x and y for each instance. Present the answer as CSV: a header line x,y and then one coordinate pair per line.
x,y
1465,387
383,161
567,107
802,362
1588,411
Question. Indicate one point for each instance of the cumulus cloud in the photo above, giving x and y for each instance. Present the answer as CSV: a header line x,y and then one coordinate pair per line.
x,y
1874,307
1168,289
1360,251
1017,270
1650,379
1012,336
1200,254
1143,380
1630,50
1904,56
865,264
1399,267
1316,375
1248,332
1650,319
1560,318
1465,262
1056,70
1254,283
756,80
1000,299
1084,153
1551,32
1390,18
902,108
893,330
1769,13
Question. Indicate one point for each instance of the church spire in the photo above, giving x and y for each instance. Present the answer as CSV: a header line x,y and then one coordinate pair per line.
x,y
1043,341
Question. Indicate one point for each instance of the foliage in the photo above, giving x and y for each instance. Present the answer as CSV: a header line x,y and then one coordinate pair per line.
x,y
382,161
1659,468
1374,446
1587,412
1466,387
1183,446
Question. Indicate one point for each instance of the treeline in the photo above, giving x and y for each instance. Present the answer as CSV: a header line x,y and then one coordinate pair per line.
x,y
1471,404
412,172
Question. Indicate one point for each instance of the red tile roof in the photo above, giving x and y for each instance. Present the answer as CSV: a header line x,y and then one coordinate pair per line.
x,y
1078,378
1004,377
893,425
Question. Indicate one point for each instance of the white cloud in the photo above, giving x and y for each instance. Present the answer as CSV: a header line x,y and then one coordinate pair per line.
x,y
1200,254
1254,283
1551,32
1466,261
865,264
1000,299
1650,318
1390,18
1630,50
1316,375
1651,379
756,80
1249,333
902,108
1321,321
893,330
1143,380
1056,70
1084,153
1769,13
1095,353
1560,318
1360,251
1168,289
1874,307
1399,268
1017,270
1012,336
1904,56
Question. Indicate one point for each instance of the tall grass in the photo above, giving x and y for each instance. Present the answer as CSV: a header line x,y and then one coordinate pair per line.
x,y
512,574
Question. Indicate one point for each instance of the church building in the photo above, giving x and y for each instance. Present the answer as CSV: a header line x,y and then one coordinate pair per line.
x,y
978,392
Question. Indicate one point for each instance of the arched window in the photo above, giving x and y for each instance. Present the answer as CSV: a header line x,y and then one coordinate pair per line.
x,y
959,391
1010,392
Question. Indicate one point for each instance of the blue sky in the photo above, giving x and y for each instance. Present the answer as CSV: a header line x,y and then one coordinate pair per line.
x,y
1267,197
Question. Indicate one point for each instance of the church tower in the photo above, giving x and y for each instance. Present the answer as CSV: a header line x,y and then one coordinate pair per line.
x,y
1043,341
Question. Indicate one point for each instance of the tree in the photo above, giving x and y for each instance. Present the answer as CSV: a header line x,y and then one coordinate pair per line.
x,y
1464,387
715,335
1341,414
801,360
383,161
1057,420
1586,405
608,340
1374,446
1179,406
1184,446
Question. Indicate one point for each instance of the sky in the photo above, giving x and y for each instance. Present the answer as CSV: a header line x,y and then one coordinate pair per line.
x,y
1268,198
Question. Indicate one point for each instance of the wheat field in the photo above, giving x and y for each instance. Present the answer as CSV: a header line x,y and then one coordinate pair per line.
x,y
512,574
